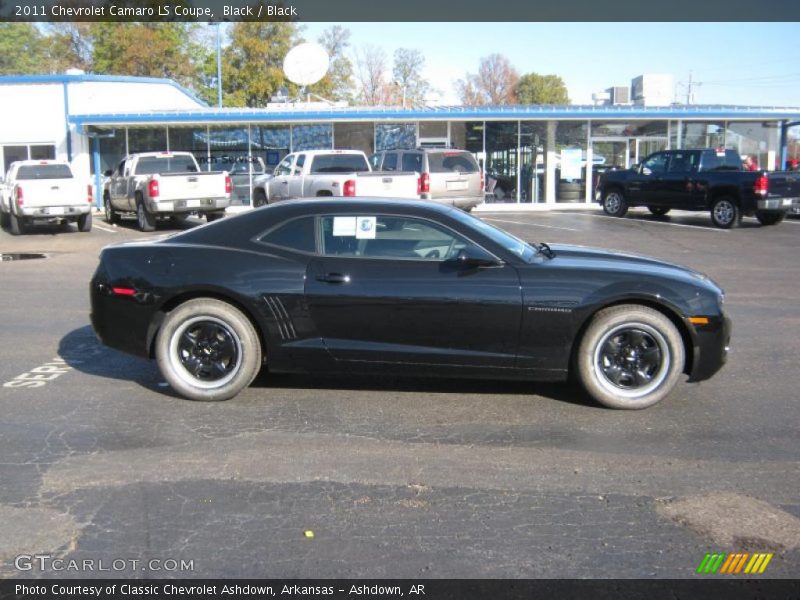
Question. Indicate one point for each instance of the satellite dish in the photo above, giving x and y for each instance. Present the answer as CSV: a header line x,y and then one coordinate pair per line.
x,y
306,64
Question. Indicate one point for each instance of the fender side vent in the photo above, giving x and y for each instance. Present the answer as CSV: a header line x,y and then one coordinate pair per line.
x,y
282,318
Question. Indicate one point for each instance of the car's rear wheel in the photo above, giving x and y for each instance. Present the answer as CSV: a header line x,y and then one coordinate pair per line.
x,y
85,223
630,357
658,211
770,218
725,213
16,225
614,203
145,220
208,350
4,219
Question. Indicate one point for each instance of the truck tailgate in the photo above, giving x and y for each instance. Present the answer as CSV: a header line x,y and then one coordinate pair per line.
x,y
52,192
387,184
784,184
191,186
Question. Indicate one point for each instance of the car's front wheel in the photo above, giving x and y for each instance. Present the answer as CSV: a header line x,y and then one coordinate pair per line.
x,y
208,350
614,203
630,357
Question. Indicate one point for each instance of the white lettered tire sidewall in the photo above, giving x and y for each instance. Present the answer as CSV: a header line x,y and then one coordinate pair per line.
x,y
244,337
660,328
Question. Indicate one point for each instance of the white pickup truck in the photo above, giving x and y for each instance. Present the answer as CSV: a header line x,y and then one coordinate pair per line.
x,y
44,190
164,184
315,173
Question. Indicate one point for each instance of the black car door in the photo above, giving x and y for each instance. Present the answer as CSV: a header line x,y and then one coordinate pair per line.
x,y
388,289
646,185
677,188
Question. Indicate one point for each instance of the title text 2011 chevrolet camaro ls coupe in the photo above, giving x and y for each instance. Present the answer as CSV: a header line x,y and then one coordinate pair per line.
x,y
405,287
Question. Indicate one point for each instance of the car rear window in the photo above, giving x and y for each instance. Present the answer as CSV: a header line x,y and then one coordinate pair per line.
x,y
339,163
297,234
44,172
449,162
164,164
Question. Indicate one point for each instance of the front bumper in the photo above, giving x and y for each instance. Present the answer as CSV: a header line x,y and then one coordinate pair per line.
x,y
188,205
712,344
791,204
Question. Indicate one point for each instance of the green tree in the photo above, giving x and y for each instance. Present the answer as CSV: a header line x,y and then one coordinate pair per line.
x,y
407,74
21,50
69,46
252,64
541,89
338,81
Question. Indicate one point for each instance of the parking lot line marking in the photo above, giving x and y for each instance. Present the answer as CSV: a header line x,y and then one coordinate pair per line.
x,y
622,220
531,224
100,227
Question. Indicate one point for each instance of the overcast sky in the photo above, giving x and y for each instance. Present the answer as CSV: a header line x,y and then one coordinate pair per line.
x,y
732,63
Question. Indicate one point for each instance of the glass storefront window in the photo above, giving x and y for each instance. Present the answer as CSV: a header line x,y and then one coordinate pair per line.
x,y
191,139
113,149
702,134
570,145
229,151
312,137
758,140
354,136
271,143
501,158
629,128
150,139
467,135
533,140
395,136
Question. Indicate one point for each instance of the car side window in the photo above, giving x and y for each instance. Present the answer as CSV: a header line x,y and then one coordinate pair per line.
x,y
412,162
390,162
390,237
285,166
298,166
296,234
121,168
682,162
655,165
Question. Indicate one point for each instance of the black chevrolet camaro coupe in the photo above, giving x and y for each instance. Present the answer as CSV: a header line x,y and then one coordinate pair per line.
x,y
412,288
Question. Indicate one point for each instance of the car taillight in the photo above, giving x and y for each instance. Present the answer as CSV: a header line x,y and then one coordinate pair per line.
x,y
19,195
152,188
761,186
89,194
424,183
481,181
349,187
227,184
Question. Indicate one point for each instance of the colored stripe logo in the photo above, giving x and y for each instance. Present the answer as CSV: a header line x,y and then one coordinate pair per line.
x,y
735,563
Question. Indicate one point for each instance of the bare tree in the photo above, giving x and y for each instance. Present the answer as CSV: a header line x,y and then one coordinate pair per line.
x,y
407,74
371,76
495,83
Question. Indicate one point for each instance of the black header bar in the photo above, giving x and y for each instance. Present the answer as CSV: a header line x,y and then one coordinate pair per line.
x,y
336,11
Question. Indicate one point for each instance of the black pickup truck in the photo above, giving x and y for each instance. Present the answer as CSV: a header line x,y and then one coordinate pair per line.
x,y
701,179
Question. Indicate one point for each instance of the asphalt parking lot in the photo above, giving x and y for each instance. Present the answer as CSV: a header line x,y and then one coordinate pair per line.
x,y
400,477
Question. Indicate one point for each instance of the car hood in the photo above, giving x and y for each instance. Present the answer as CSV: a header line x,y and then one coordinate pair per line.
x,y
599,258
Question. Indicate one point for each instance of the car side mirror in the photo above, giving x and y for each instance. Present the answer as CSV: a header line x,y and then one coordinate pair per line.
x,y
636,167
471,258
645,171
108,173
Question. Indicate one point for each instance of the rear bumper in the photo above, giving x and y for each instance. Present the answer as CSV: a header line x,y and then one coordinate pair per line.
x,y
792,204
55,212
712,344
462,202
188,205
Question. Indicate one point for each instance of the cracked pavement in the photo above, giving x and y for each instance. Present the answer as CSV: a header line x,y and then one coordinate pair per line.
x,y
402,477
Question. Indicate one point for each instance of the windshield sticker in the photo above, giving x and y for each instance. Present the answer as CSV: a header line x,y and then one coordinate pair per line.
x,y
344,226
366,228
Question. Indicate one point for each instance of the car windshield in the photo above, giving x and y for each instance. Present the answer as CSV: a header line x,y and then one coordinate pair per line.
x,y
511,243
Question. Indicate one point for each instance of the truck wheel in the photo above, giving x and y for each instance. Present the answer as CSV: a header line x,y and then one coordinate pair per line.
x,y
213,216
658,211
85,223
16,224
614,204
630,357
111,215
499,193
259,198
146,221
3,219
208,350
724,213
770,218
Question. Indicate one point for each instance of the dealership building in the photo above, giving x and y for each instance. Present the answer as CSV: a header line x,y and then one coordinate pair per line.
x,y
539,156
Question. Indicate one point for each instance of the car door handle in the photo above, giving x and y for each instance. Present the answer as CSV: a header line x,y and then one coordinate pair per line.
x,y
334,278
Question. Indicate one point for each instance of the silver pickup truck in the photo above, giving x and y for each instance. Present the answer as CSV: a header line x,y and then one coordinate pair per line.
x,y
164,184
